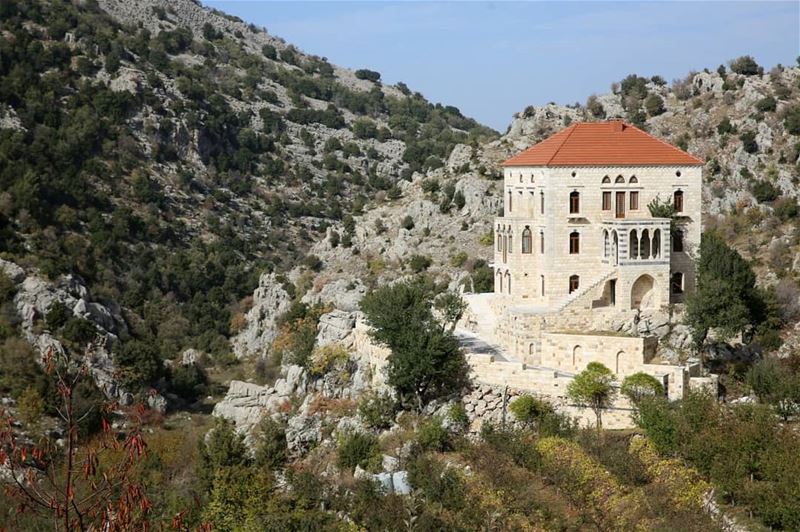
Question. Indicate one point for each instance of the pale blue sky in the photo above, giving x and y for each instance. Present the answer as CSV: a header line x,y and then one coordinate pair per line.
x,y
492,59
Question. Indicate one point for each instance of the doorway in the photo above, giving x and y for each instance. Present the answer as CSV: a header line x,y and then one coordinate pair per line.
x,y
612,292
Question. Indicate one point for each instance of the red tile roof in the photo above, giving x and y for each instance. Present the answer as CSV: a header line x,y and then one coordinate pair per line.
x,y
611,143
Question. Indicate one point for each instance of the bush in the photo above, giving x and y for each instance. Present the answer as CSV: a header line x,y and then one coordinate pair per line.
x,y
458,259
432,436
482,277
654,105
786,208
407,223
7,288
528,410
364,128
792,120
189,381
139,362
222,448
767,104
746,66
725,126
377,410
269,52
271,450
749,143
438,483
369,75
30,406
57,315
359,449
79,331
419,263
765,192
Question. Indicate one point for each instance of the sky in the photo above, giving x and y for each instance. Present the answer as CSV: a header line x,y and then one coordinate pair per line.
x,y
492,59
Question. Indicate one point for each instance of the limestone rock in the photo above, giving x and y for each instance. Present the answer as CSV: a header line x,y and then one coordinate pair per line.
x,y
336,327
303,433
270,300
343,294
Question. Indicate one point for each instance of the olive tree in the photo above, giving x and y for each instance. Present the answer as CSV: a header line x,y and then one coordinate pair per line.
x,y
593,387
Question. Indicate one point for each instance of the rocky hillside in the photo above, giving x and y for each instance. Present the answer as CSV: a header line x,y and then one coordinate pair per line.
x,y
166,155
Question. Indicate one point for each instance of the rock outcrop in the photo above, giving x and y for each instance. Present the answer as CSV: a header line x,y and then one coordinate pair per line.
x,y
270,300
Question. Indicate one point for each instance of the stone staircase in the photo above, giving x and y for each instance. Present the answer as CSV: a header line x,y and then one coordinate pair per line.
x,y
578,294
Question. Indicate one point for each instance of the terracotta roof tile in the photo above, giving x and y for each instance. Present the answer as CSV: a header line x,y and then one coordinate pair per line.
x,y
611,143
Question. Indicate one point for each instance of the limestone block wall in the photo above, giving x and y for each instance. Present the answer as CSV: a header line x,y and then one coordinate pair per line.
x,y
572,352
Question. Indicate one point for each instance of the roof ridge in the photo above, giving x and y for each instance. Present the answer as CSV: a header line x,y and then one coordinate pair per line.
x,y
571,129
665,143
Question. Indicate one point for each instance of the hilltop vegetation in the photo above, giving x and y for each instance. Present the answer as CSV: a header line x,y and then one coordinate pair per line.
x,y
157,158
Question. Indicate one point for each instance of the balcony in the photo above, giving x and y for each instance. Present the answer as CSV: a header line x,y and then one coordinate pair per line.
x,y
636,242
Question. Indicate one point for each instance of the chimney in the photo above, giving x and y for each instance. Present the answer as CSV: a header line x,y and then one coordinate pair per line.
x,y
617,126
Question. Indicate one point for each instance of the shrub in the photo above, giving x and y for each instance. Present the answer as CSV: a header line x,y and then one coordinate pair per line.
x,y
765,192
358,449
329,358
487,239
595,108
30,406
79,331
791,121
640,385
437,482
222,448
7,288
312,262
786,208
654,105
57,315
528,410
269,52
432,436
364,128
458,259
407,223
482,277
139,362
369,75
377,410
725,126
189,381
746,66
419,263
271,450
749,143
457,415
767,104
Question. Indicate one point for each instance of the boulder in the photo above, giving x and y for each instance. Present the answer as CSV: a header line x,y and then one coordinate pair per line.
x,y
344,294
12,271
303,433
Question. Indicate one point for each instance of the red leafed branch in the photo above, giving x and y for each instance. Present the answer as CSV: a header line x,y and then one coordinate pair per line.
x,y
86,485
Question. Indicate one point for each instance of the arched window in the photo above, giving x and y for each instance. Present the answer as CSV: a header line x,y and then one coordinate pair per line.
x,y
606,243
677,241
619,356
644,245
633,179
511,243
606,179
520,177
574,202
500,278
499,241
677,200
676,283
527,240
541,242
510,200
619,179
541,202
576,355
508,282
656,244
574,283
541,279
574,243
633,244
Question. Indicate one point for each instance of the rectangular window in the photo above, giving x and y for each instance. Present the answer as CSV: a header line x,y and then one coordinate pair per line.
x,y
574,283
607,200
634,201
542,281
677,200
541,202
620,205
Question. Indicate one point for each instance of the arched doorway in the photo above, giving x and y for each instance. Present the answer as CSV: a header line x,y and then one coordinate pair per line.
x,y
643,294
615,249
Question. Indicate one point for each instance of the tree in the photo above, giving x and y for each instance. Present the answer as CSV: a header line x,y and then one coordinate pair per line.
x,y
777,386
529,410
92,486
223,448
451,307
594,388
749,143
271,448
369,75
425,361
641,386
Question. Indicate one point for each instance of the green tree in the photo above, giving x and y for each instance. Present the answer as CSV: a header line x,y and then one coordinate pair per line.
x,y
425,361
654,105
451,307
358,449
640,386
223,448
529,410
777,386
270,443
594,388
30,406
725,292
746,66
